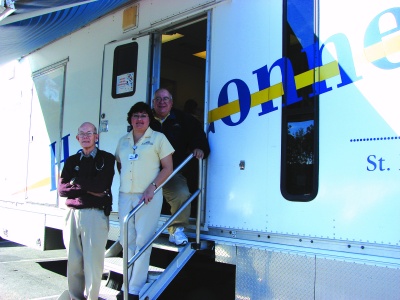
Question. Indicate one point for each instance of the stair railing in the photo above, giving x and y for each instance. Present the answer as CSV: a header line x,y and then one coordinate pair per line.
x,y
127,263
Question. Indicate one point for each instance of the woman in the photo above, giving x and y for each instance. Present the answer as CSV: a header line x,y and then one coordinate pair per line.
x,y
139,156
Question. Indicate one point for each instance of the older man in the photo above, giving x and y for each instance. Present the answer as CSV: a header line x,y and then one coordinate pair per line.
x,y
86,182
186,135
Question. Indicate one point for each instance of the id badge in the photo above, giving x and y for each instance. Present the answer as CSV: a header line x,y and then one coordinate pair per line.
x,y
133,156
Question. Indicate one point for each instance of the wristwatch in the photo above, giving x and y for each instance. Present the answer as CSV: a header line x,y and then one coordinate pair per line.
x,y
155,185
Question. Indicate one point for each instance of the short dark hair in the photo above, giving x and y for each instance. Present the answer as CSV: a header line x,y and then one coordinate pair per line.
x,y
138,108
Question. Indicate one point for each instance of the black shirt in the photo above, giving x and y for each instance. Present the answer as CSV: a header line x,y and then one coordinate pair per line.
x,y
90,173
185,134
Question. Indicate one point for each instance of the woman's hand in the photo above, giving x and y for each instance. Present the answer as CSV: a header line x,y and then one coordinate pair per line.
x,y
148,194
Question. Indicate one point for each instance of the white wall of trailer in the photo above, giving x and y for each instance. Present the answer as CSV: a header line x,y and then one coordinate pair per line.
x,y
359,134
83,51
353,202
236,198
368,208
16,94
308,250
27,180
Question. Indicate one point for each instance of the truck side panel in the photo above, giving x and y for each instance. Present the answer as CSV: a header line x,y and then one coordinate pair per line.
x,y
358,132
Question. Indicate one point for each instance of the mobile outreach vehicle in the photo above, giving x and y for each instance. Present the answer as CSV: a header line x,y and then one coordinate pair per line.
x,y
300,104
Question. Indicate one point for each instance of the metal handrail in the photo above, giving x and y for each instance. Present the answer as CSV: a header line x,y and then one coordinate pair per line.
x,y
127,263
162,228
200,202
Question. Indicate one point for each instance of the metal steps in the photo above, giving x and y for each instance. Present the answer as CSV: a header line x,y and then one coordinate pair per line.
x,y
158,286
158,278
114,264
107,293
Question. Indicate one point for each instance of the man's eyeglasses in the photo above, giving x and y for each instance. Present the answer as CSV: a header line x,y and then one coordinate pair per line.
x,y
86,134
137,116
159,99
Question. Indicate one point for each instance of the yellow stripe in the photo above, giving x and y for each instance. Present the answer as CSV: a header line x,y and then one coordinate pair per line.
x,y
257,98
328,71
39,184
224,111
267,94
275,91
304,79
373,53
382,49
318,74
392,45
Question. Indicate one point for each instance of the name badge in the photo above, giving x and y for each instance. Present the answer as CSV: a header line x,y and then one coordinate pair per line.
x,y
133,156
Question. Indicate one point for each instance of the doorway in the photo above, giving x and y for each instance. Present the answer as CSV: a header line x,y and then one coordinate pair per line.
x,y
182,70
182,66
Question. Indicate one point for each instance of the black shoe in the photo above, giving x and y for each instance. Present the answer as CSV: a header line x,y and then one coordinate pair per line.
x,y
120,296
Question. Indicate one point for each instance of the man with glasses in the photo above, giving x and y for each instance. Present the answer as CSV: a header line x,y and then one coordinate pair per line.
x,y
86,183
186,135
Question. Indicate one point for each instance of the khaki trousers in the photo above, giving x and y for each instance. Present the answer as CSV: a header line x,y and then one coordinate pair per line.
x,y
176,192
141,227
85,237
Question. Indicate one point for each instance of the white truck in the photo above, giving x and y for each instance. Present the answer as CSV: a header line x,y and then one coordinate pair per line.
x,y
299,100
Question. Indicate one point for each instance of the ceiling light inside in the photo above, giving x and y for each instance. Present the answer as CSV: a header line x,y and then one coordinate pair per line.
x,y
170,37
201,54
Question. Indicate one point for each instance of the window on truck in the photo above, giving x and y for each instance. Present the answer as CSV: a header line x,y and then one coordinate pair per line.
x,y
124,71
299,160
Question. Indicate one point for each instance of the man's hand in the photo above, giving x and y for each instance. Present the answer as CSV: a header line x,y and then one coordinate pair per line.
x,y
198,153
97,194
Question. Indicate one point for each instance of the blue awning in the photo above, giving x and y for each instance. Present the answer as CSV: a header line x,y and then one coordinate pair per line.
x,y
34,24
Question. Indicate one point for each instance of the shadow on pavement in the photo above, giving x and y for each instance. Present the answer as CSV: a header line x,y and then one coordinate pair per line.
x,y
59,266
6,244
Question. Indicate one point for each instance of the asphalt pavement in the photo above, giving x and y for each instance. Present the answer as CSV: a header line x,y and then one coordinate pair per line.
x,y
30,274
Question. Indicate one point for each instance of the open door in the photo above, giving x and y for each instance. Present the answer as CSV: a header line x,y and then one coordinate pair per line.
x,y
125,82
180,66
